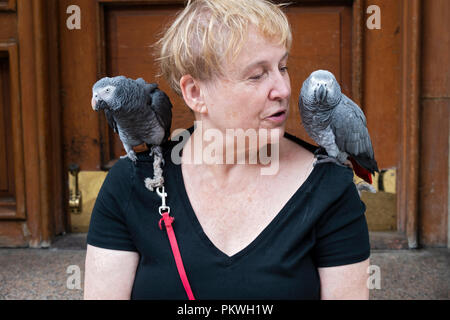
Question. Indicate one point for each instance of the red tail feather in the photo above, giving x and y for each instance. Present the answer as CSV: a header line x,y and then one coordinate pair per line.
x,y
360,171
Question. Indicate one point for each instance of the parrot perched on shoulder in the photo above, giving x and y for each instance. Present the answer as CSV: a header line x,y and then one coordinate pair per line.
x,y
336,124
138,111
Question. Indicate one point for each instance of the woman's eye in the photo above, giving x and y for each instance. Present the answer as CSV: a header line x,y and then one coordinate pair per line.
x,y
257,77
284,69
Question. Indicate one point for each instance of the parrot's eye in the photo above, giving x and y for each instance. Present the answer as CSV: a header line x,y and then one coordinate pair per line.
x,y
107,90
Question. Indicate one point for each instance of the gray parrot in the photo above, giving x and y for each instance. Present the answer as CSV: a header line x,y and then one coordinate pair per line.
x,y
138,111
336,124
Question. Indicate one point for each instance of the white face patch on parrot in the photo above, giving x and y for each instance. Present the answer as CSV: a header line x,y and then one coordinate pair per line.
x,y
106,94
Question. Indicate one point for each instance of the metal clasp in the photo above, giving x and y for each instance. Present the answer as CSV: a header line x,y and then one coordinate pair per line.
x,y
162,194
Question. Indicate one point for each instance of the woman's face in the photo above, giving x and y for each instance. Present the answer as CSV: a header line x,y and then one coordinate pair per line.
x,y
255,91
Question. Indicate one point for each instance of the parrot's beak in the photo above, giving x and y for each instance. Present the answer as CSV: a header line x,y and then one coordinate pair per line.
x,y
94,104
321,94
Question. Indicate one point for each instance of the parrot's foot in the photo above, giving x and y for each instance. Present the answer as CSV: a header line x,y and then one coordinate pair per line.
x,y
130,154
320,152
325,159
151,184
364,186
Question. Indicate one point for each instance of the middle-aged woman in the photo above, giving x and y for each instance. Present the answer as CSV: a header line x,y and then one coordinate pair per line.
x,y
298,232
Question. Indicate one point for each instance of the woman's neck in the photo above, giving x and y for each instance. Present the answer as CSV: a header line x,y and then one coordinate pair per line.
x,y
223,157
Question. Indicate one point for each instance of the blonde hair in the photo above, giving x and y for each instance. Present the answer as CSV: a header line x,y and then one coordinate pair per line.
x,y
207,32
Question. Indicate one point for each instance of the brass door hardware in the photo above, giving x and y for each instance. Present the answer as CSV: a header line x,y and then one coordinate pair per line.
x,y
88,184
75,203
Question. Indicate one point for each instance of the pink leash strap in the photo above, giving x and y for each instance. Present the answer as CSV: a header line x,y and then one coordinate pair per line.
x,y
176,252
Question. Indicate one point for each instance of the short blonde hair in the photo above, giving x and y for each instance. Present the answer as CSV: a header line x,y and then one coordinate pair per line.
x,y
207,32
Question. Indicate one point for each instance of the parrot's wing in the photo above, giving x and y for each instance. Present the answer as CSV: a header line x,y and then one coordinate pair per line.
x,y
351,135
148,87
163,110
111,121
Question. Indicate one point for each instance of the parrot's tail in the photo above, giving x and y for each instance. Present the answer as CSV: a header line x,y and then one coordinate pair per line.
x,y
360,171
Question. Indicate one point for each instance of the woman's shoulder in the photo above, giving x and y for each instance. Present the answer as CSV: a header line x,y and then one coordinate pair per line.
x,y
125,171
327,178
301,143
122,170
119,179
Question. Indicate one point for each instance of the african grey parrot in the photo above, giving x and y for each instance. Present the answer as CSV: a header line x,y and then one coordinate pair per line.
x,y
336,124
138,111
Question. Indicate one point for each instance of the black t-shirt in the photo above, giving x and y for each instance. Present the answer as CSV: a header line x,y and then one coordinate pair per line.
x,y
322,225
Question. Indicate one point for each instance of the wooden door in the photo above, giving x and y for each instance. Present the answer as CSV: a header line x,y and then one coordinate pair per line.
x,y
48,66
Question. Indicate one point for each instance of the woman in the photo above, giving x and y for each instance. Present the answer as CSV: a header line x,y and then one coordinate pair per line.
x,y
296,233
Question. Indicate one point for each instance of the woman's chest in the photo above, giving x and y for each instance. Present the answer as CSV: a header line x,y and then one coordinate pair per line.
x,y
232,220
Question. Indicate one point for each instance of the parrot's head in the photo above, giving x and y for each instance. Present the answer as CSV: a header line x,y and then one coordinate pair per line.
x,y
321,89
107,93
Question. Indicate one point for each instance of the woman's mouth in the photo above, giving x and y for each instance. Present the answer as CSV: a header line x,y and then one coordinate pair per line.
x,y
278,117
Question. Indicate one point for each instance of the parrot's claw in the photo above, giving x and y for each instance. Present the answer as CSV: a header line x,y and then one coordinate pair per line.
x,y
364,186
325,159
321,156
320,152
131,155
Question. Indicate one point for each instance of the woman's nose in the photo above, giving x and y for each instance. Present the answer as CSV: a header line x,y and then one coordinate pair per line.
x,y
281,88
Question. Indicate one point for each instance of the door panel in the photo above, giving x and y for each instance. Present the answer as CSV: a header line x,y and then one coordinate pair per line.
x,y
12,193
382,83
6,154
7,183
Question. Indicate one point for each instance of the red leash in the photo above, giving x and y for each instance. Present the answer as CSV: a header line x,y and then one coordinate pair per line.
x,y
173,243
176,253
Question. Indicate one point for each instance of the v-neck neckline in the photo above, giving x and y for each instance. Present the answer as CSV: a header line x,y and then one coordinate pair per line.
x,y
229,259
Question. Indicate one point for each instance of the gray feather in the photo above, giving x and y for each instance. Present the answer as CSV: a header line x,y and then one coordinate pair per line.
x,y
349,126
111,121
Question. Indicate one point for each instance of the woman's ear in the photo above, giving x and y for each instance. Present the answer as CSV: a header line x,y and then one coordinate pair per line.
x,y
192,94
